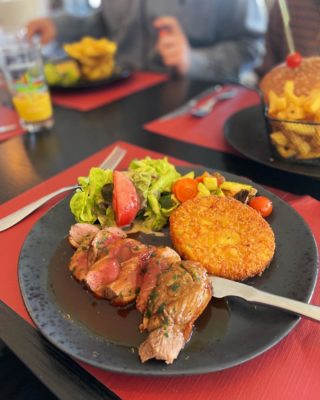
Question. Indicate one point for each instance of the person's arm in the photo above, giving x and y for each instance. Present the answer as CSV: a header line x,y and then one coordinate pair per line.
x,y
239,27
71,28
225,60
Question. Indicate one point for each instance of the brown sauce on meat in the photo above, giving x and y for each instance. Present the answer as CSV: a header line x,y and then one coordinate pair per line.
x,y
121,325
118,325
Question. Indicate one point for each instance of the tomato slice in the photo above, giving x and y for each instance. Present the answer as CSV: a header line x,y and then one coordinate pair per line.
x,y
125,199
261,204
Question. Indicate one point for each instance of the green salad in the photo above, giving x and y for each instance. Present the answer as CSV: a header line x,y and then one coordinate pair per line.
x,y
148,192
94,201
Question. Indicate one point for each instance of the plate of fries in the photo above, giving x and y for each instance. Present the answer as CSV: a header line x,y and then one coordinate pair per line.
x,y
91,63
294,124
246,131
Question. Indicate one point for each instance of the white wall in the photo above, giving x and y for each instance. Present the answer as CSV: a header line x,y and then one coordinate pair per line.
x,y
15,13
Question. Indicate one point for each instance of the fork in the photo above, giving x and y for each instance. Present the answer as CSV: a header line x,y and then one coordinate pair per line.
x,y
207,107
10,220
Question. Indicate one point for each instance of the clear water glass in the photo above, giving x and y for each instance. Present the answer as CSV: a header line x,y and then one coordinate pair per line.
x,y
24,74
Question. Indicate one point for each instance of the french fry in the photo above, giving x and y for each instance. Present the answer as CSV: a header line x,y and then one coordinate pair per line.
x,y
295,112
286,152
276,103
300,138
95,56
278,138
300,129
302,146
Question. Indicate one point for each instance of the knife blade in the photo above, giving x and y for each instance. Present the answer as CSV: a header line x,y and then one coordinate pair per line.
x,y
190,104
224,287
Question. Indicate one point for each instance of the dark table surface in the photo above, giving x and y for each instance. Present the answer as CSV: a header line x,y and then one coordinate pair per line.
x,y
28,160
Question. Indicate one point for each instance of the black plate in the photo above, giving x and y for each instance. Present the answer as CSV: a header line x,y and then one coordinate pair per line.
x,y
229,336
119,75
246,132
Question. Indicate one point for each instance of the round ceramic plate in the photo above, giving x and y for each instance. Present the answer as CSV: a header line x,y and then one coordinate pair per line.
x,y
246,132
227,334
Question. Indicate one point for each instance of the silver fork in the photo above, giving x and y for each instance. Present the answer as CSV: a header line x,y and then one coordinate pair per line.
x,y
207,107
112,160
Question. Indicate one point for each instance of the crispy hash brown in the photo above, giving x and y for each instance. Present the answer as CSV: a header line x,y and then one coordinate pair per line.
x,y
228,238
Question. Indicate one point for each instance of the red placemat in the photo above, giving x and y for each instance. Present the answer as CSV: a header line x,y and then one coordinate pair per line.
x,y
289,370
8,117
207,131
90,99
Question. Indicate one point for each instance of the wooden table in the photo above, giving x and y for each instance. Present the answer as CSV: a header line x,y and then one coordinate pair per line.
x,y
31,159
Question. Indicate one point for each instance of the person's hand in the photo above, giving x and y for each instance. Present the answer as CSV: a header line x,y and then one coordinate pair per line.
x,y
172,44
44,27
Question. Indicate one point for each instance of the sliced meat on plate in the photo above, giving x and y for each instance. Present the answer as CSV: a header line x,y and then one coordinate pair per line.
x,y
160,259
101,242
118,275
79,261
125,288
79,232
180,296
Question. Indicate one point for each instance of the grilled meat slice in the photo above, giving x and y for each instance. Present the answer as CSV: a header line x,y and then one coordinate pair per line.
x,y
118,275
162,345
125,288
160,259
79,232
79,261
180,296
101,241
103,272
90,242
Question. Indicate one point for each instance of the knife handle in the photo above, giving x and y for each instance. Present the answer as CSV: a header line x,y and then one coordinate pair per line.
x,y
297,307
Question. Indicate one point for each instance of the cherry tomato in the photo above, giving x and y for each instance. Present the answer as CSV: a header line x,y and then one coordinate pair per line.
x,y
294,60
261,204
125,199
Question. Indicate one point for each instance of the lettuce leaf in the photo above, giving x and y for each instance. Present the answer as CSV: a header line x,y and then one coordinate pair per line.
x,y
152,178
85,203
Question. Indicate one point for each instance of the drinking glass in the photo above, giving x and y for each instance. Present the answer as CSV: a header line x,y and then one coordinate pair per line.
x,y
23,70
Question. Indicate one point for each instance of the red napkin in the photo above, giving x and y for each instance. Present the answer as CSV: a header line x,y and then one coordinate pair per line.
x,y
206,131
289,370
91,99
8,117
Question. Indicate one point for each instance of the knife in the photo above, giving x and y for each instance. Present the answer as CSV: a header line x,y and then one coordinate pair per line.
x,y
185,108
8,128
224,287
111,162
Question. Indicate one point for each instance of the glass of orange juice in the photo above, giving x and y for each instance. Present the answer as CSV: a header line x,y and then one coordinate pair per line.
x,y
23,70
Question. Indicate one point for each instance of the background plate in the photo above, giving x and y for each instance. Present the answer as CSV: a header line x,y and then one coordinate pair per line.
x,y
118,76
246,132
247,331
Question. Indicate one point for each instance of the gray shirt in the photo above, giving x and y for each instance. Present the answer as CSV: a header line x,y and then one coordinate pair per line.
x,y
226,36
